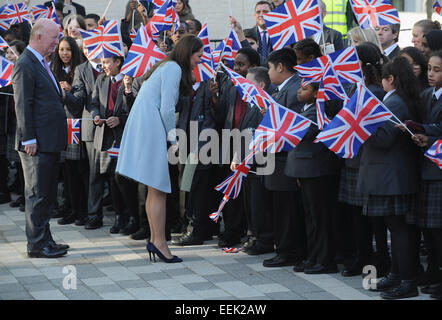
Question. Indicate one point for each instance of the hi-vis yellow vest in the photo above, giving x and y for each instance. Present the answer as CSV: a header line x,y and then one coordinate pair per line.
x,y
336,17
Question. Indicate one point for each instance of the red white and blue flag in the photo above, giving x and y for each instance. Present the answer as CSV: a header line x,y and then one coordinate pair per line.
x,y
312,71
249,92
281,129
205,70
4,22
227,49
143,54
163,19
346,65
232,185
41,11
15,13
5,72
3,43
114,152
437,7
293,21
133,34
73,131
374,13
435,153
103,42
354,124
159,3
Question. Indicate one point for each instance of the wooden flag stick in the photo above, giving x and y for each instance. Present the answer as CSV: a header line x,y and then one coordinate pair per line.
x,y
133,19
107,8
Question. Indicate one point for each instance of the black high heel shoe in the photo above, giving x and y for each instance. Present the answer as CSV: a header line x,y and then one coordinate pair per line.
x,y
154,251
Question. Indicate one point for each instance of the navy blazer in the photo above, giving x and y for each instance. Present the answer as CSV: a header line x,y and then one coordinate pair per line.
x,y
389,160
432,122
309,159
287,97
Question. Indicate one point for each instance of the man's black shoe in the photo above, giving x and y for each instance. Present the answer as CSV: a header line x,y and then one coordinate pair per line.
x,y
47,252
141,234
119,224
58,246
188,239
321,269
67,220
228,243
431,290
406,289
94,222
131,227
5,198
300,266
390,281
353,270
256,249
277,261
438,294
15,204
81,221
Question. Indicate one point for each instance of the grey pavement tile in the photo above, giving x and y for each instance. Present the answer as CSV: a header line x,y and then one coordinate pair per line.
x,y
106,288
24,272
48,295
199,286
117,295
285,296
254,279
220,278
319,296
32,279
209,294
189,278
256,298
179,272
16,295
84,296
225,298
134,263
154,276
11,287
140,283
270,288
147,293
85,271
239,289
42,286
119,273
7,279
100,281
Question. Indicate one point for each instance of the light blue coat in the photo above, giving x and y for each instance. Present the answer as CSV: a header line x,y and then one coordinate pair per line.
x,y
151,122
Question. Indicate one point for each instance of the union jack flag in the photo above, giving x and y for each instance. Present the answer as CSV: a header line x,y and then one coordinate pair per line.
x,y
293,21
133,34
248,91
435,153
437,7
159,3
354,124
103,42
232,185
114,152
143,54
4,23
15,13
373,13
312,71
281,129
163,19
227,49
5,72
73,131
231,250
41,11
3,43
205,70
53,16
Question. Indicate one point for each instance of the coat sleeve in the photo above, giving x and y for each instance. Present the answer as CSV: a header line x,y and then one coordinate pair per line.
x,y
24,84
170,89
76,98
95,100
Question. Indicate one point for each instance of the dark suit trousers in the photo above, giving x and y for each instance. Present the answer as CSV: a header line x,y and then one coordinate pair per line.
x,y
258,210
124,195
320,200
41,177
289,225
4,172
76,177
201,201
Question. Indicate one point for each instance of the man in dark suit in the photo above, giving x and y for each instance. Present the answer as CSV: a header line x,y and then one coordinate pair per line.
x,y
81,95
264,43
288,217
40,137
389,37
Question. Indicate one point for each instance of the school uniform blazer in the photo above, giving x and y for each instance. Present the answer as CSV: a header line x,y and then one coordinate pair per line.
x,y
105,137
38,106
80,97
287,97
200,113
432,122
308,159
389,160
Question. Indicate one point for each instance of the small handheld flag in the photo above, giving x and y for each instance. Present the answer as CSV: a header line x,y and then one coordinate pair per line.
x,y
435,153
73,131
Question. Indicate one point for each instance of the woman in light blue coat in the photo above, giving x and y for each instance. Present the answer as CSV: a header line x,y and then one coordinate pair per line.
x,y
150,130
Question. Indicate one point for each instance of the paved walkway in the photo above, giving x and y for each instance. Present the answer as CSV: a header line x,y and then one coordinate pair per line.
x,y
116,267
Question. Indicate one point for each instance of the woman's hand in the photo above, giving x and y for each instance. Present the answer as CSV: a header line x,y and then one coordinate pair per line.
x,y
113,122
233,166
65,86
98,121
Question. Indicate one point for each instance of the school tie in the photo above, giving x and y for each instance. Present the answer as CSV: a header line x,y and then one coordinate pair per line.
x,y
264,44
48,69
433,101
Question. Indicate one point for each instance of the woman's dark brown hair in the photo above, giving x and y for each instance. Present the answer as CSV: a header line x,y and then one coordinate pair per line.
x,y
181,54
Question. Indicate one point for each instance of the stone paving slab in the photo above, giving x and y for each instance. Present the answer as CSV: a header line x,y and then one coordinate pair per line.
x,y
115,267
